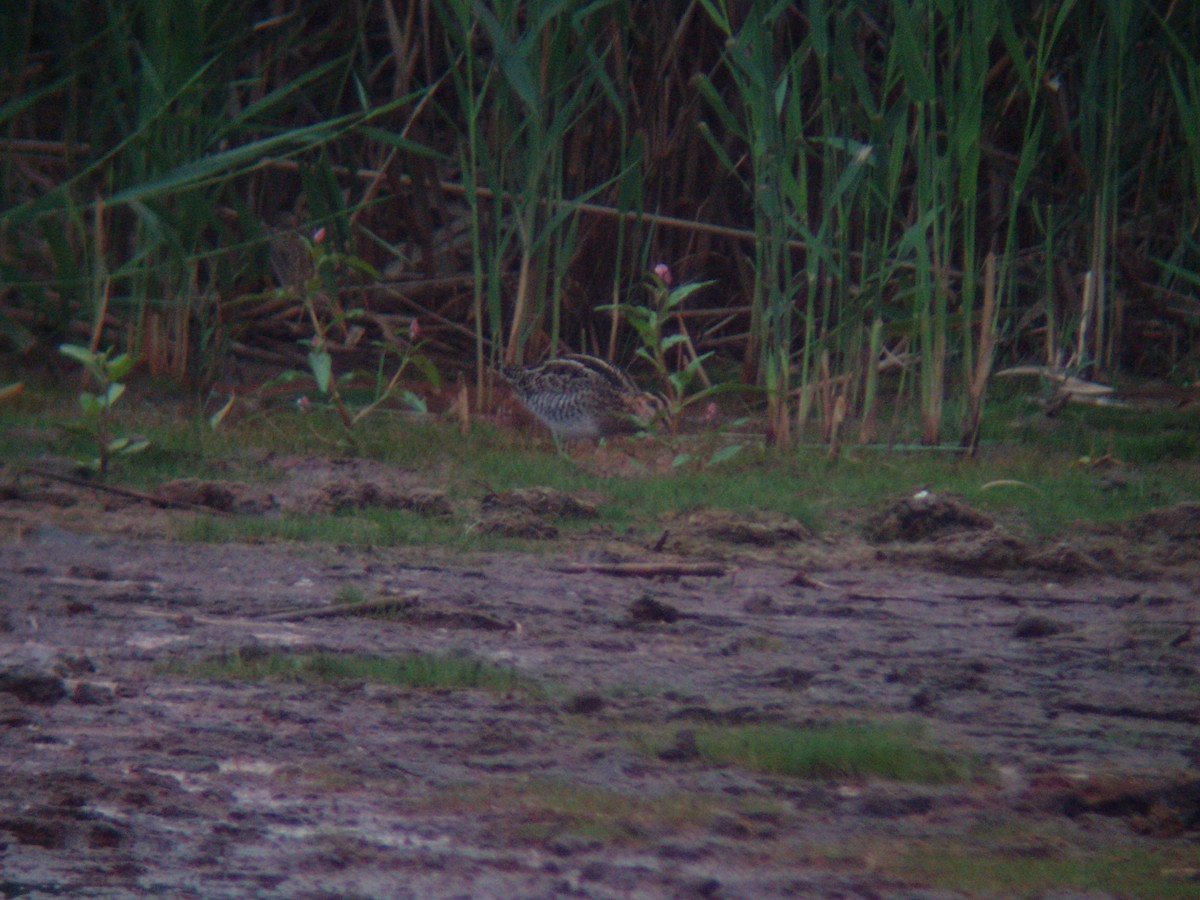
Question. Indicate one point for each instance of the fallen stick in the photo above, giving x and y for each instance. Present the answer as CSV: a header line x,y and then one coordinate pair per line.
x,y
803,579
383,604
127,493
644,570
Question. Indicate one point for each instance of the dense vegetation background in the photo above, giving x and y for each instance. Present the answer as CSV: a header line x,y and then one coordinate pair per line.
x,y
885,196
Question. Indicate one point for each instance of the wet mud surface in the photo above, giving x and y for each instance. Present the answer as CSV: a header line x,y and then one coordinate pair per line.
x,y
122,775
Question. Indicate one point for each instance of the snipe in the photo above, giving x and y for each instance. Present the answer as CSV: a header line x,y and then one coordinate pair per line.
x,y
580,396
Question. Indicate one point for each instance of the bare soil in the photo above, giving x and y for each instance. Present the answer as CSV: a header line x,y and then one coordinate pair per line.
x,y
1069,671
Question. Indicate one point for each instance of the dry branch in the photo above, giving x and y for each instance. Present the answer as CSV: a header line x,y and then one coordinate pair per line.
x,y
364,607
126,492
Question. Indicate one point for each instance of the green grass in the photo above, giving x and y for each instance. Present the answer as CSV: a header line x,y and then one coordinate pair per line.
x,y
539,809
1124,871
840,751
1035,481
372,527
1135,436
418,671
350,593
1025,486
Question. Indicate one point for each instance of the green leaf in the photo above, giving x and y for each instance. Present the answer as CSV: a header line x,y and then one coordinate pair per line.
x,y
113,394
508,56
719,16
135,447
120,367
219,416
684,291
427,368
224,164
724,454
401,143
721,154
361,265
412,401
907,34
321,365
285,377
669,342
780,94
680,380
91,404
84,356
681,460
818,26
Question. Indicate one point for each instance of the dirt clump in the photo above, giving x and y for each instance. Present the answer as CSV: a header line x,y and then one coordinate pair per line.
x,y
541,501
922,517
993,550
1160,806
716,531
349,494
946,533
223,496
525,512
1180,522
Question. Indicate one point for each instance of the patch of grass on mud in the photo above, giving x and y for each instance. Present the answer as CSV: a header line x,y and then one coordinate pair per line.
x,y
419,671
1136,436
1033,867
375,527
1036,474
541,809
843,750
362,528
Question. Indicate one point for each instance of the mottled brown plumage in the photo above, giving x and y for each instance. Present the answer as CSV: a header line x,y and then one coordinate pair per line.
x,y
580,396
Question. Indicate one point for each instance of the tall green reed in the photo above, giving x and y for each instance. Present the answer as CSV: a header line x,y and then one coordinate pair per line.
x,y
530,72
884,153
768,123
163,156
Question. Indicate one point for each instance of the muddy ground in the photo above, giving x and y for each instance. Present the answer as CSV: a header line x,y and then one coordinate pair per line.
x,y
1068,671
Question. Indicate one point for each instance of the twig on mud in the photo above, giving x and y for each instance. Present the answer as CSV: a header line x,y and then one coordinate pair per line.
x,y
127,493
382,604
644,570
803,579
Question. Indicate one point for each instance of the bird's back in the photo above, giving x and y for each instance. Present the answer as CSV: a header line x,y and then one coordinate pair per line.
x,y
580,396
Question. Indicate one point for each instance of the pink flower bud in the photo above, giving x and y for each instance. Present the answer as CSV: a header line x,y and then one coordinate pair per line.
x,y
304,404
414,330
319,235
663,271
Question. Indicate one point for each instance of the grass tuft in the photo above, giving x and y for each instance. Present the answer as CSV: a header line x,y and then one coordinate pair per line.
x,y
418,671
1035,867
540,809
846,750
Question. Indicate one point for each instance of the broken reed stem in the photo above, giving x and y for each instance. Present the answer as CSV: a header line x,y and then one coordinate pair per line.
x,y
104,285
1085,314
983,362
